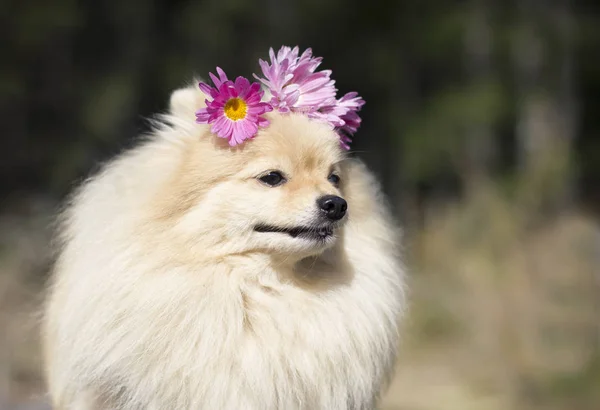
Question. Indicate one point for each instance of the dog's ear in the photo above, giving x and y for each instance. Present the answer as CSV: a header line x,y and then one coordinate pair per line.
x,y
186,101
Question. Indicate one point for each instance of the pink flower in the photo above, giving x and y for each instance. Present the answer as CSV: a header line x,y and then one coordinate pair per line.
x,y
235,110
296,86
352,102
342,115
293,82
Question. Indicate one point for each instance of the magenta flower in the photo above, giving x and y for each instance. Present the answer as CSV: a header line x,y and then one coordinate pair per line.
x,y
296,86
235,110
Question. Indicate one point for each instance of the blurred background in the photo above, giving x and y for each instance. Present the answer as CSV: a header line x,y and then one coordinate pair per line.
x,y
481,122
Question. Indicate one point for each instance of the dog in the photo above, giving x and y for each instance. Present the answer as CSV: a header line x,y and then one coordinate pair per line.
x,y
194,275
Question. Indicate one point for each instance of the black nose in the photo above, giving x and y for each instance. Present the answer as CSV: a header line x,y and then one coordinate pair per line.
x,y
333,207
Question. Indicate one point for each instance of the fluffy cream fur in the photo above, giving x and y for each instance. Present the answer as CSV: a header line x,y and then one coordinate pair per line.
x,y
164,297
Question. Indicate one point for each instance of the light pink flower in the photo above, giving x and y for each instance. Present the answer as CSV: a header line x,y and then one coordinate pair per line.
x,y
293,82
296,86
235,110
353,103
342,115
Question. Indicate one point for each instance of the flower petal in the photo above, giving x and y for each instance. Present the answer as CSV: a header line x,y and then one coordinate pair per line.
x,y
262,122
205,88
222,127
222,75
202,116
241,86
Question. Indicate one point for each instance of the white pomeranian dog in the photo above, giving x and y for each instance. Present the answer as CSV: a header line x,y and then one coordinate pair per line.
x,y
194,275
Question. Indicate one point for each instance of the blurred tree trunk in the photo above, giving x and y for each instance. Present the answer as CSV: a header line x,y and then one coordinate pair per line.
x,y
403,188
545,128
546,102
480,142
567,98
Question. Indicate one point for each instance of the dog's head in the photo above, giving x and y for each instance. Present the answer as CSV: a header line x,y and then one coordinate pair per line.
x,y
281,192
291,186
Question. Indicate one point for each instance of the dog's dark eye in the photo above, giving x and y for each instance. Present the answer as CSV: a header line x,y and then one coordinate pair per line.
x,y
334,179
273,178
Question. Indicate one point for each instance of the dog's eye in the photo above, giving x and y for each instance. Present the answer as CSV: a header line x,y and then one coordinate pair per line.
x,y
334,179
273,178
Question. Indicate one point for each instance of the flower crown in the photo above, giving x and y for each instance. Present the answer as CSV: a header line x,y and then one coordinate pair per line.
x,y
235,108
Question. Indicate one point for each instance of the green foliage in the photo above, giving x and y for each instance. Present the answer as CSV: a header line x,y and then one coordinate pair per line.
x,y
438,137
82,74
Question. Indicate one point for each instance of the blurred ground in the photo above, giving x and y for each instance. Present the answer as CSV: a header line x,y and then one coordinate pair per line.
x,y
504,308
24,240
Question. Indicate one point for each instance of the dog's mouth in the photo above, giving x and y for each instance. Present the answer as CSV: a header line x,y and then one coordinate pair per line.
x,y
307,232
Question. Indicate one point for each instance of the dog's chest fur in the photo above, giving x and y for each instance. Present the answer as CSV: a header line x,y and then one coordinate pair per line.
x,y
235,343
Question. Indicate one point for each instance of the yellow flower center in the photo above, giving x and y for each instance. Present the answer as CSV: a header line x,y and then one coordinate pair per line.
x,y
235,109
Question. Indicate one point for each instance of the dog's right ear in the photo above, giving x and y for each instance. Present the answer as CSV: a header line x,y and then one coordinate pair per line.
x,y
186,101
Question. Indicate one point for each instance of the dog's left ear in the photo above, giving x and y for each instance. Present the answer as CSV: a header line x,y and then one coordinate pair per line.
x,y
186,101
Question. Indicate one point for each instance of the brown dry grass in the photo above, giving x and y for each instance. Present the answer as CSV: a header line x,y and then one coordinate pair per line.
x,y
23,264
504,308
